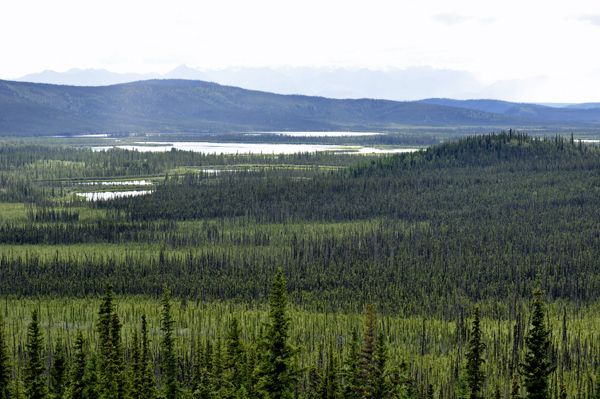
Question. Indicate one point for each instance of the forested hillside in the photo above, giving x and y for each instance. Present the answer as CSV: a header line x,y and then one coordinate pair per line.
x,y
195,106
437,241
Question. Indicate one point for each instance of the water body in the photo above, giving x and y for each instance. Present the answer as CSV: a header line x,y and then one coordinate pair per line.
x,y
317,134
120,183
105,195
251,148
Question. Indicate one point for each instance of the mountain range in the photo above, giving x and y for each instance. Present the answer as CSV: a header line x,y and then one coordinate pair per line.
x,y
395,84
177,105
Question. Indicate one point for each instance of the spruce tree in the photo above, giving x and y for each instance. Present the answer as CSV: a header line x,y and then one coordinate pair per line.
x,y
234,356
77,374
597,385
366,360
58,371
351,369
535,367
169,360
331,382
475,374
91,385
148,387
515,392
36,383
5,366
381,385
136,370
277,371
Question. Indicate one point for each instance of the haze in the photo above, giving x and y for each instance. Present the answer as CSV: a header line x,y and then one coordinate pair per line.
x,y
501,41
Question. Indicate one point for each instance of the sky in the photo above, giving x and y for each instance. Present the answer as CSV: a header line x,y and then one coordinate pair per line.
x,y
494,40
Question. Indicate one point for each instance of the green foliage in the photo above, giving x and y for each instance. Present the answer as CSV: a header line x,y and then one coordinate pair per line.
x,y
169,359
5,365
59,371
536,367
77,375
475,373
36,384
277,373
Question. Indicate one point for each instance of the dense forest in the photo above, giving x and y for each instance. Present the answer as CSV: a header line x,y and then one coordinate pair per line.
x,y
409,257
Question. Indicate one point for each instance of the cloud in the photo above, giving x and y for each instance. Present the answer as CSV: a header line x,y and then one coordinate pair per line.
x,y
450,19
593,19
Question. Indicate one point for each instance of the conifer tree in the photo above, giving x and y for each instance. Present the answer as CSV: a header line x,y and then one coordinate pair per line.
x,y
234,351
475,374
77,374
535,367
330,381
464,391
563,391
5,366
351,369
277,372
169,360
217,366
58,371
596,394
515,392
91,384
36,384
136,370
148,387
497,392
381,385
366,360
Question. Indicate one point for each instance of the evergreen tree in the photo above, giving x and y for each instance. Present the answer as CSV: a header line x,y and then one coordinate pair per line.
x,y
91,384
77,374
563,391
58,371
351,369
277,372
597,385
464,392
381,385
234,352
330,381
475,374
535,367
36,383
147,386
5,366
169,360
366,360
217,367
136,370
497,392
515,392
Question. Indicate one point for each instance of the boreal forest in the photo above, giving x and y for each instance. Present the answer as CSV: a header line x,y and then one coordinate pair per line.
x,y
468,269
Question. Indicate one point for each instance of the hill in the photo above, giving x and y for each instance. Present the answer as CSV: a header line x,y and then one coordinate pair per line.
x,y
197,106
588,112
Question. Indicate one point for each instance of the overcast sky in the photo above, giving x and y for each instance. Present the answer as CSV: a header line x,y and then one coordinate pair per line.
x,y
509,39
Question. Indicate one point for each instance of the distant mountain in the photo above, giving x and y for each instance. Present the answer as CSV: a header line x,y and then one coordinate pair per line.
x,y
394,84
85,77
197,106
573,113
408,84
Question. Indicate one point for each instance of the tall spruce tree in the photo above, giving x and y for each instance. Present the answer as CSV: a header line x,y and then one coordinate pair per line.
x,y
5,366
381,384
366,359
277,370
77,374
351,369
168,365
475,374
535,367
58,371
36,383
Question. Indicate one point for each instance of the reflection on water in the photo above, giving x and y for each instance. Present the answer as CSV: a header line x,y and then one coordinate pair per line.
x,y
120,183
112,194
251,148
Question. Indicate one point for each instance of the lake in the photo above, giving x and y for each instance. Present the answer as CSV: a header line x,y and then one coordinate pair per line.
x,y
251,148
